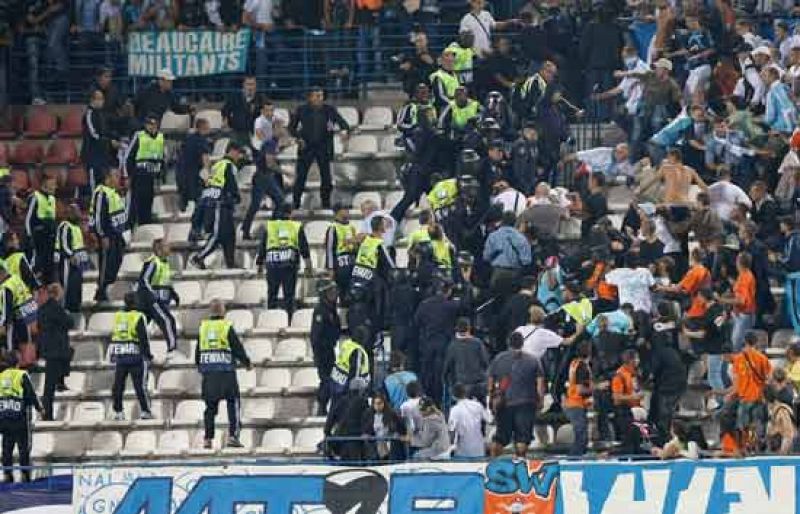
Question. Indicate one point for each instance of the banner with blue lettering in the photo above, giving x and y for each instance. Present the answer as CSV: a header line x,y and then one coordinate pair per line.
x,y
501,486
187,53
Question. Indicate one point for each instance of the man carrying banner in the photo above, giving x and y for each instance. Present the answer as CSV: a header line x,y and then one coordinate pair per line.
x,y
17,396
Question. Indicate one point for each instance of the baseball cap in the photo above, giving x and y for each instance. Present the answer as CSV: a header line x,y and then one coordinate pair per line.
x,y
762,50
165,74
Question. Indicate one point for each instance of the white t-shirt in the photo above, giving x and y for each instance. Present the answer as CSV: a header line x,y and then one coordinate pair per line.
x,y
633,287
511,200
389,227
538,339
481,26
267,126
260,10
465,421
412,417
724,196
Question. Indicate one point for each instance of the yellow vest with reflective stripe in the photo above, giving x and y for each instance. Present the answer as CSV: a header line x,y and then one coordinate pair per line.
x,y
415,112
116,206
580,311
420,235
163,274
24,306
444,194
14,263
77,236
215,346
217,178
45,206
125,323
463,57
282,234
460,116
345,236
12,392
441,253
368,252
4,172
341,369
150,148
449,81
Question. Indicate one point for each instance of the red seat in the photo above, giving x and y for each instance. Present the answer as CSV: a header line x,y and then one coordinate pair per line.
x,y
61,151
19,180
77,177
72,122
3,154
9,125
40,122
27,152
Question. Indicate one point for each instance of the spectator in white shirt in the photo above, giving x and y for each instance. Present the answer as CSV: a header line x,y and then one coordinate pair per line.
x,y
725,196
481,23
537,339
468,419
505,195
411,414
369,209
633,287
269,125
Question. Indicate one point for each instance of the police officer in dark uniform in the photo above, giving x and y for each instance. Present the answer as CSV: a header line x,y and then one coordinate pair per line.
x,y
283,242
109,220
129,350
72,259
340,249
526,166
40,228
97,143
326,327
422,143
144,162
17,396
155,292
218,200
218,352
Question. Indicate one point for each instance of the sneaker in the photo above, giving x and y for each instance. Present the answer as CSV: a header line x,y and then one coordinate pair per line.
x,y
119,416
208,444
196,261
146,415
712,404
234,442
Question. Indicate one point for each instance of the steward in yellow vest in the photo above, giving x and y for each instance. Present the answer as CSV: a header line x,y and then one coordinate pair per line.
x,y
129,350
17,396
352,362
341,245
72,259
459,114
444,81
464,56
155,292
144,163
40,229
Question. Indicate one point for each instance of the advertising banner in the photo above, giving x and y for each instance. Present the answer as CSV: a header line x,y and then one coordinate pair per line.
x,y
187,53
501,486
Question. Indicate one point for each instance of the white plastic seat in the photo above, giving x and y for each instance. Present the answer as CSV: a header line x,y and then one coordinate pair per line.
x,y
258,410
162,207
189,292
290,350
302,318
178,232
88,290
363,144
350,115
246,379
388,144
171,122
307,439
274,379
140,443
191,319
242,320
132,263
362,196
305,379
213,116
104,444
179,381
247,437
148,233
276,440
274,319
42,445
315,231
377,118
101,322
88,352
88,414
173,442
224,290
70,444
75,382
189,411
251,292
259,350
100,382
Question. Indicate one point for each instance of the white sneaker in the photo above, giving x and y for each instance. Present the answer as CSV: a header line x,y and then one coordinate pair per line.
x,y
119,416
146,415
712,404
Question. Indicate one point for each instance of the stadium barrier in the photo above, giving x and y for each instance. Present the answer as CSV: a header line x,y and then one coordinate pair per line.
x,y
752,486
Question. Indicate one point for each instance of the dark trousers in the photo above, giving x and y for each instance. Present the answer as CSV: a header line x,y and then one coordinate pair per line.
x,y
54,372
622,419
664,404
42,255
138,373
415,185
284,279
342,276
16,434
222,234
110,260
308,155
264,184
603,407
71,279
432,364
323,361
161,314
97,174
143,189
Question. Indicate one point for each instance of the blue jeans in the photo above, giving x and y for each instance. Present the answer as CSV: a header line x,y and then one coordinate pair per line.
x,y
741,324
57,43
32,52
580,428
715,376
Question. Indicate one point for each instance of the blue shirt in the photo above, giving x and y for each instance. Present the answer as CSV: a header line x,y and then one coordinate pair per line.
x,y
396,387
506,247
780,114
618,323
673,131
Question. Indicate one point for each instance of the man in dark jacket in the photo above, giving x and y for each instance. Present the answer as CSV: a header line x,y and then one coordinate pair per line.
x,y
670,381
466,362
526,170
54,346
326,327
600,46
97,142
242,109
312,125
158,98
194,157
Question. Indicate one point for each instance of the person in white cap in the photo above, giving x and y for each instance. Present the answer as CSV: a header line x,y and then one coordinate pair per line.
x,y
158,98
